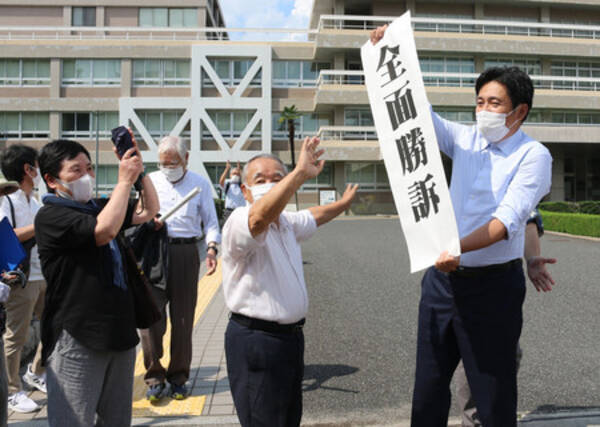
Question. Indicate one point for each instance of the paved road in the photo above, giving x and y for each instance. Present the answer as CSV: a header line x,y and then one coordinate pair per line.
x,y
361,329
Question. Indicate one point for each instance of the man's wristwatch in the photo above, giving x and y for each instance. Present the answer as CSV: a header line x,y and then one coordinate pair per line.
x,y
214,248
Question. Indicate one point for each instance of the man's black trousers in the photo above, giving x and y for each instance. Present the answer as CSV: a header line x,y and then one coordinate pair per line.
x,y
478,318
265,375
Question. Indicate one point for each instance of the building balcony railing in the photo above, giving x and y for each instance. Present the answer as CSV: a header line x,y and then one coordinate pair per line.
x,y
351,77
326,22
369,133
347,133
468,26
137,33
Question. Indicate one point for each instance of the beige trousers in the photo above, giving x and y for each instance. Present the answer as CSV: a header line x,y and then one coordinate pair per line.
x,y
20,307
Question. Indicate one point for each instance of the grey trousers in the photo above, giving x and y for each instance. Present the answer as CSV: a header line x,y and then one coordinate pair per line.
x,y
181,295
464,399
88,387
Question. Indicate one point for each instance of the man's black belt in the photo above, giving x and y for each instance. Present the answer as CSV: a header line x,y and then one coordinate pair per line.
x,y
266,325
183,240
463,271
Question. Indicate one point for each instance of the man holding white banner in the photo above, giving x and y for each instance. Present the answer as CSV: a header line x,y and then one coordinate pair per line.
x,y
471,304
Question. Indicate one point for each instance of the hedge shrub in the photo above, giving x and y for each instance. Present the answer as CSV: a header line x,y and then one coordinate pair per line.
x,y
572,223
591,207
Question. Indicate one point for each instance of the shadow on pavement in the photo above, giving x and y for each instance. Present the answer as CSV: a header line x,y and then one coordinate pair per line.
x,y
559,416
315,377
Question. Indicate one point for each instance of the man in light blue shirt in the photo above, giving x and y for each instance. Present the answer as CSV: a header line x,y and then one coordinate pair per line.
x,y
471,305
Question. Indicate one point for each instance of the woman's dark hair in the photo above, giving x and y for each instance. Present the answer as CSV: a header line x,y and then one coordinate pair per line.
x,y
53,154
14,158
517,83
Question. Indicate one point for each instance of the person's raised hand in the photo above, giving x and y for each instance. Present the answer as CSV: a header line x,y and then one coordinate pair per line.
x,y
539,276
308,161
447,263
349,194
131,166
377,33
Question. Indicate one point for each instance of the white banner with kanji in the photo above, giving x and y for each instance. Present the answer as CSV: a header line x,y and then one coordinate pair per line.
x,y
408,145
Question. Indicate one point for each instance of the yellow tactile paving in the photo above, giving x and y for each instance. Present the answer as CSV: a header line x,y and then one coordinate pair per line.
x,y
193,405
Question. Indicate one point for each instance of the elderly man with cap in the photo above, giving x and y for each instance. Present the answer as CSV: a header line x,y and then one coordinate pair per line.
x,y
195,221
264,287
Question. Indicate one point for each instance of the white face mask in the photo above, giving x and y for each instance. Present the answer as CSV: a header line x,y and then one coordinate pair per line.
x,y
173,174
493,125
260,190
235,179
37,181
82,189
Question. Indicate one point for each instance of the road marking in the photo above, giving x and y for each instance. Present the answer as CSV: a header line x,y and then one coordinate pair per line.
x,y
193,405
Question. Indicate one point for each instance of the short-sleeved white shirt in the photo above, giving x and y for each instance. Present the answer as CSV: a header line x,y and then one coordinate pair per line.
x,y
263,276
196,217
25,211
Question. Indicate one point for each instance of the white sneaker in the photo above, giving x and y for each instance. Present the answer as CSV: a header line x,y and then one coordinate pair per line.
x,y
19,402
35,381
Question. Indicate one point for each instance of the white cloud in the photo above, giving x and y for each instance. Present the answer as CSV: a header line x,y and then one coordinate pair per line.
x,y
269,14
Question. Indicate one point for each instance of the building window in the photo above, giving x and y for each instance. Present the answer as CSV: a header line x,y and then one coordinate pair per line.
x,y
108,175
24,72
455,115
572,118
214,173
231,124
83,17
83,124
168,17
297,73
358,117
161,72
231,72
370,176
24,125
160,124
324,179
91,72
530,66
575,69
451,28
307,124
444,65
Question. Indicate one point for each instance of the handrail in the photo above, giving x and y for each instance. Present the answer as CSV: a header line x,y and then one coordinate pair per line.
x,y
369,133
134,33
478,26
463,80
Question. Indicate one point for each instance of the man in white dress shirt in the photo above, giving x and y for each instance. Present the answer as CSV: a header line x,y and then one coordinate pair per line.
x,y
264,287
20,163
195,221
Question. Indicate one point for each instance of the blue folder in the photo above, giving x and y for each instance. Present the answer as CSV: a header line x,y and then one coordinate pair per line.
x,y
11,251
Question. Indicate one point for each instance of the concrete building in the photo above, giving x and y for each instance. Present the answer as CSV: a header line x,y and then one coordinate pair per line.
x,y
77,68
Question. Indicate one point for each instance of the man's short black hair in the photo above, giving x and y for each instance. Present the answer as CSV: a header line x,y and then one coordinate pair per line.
x,y
14,159
516,81
57,151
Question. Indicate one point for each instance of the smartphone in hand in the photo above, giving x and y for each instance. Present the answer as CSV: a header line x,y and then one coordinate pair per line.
x,y
122,140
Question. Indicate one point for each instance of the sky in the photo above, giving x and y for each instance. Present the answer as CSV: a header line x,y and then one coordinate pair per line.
x,y
266,14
